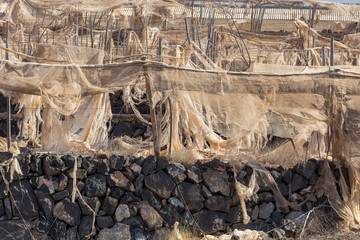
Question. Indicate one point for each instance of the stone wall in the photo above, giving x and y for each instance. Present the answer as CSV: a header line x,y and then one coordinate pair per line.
x,y
139,198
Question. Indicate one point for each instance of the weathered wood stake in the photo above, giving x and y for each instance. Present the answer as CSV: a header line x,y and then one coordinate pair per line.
x,y
332,52
171,126
8,99
152,113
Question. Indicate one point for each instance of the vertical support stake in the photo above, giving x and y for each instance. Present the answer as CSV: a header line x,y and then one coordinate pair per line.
x,y
332,46
77,32
8,99
187,31
110,38
91,33
118,41
106,31
171,126
160,48
152,112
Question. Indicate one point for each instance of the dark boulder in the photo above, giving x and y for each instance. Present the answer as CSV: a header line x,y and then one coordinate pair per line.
x,y
95,185
160,183
209,221
24,198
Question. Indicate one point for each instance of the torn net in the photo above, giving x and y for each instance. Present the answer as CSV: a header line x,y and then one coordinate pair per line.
x,y
214,110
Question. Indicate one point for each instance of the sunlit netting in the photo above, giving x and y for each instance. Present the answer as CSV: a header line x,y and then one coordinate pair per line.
x,y
213,89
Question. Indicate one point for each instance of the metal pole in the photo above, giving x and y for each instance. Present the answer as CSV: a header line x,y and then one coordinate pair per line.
x,y
38,36
87,31
124,42
29,45
187,31
313,46
77,32
81,37
7,40
8,99
313,16
91,33
198,33
194,39
100,40
323,56
106,31
118,41
147,45
160,48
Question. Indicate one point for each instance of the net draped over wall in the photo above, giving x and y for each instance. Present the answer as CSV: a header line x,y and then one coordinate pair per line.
x,y
202,105
213,109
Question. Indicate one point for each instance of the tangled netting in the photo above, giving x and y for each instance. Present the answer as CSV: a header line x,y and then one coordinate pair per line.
x,y
283,109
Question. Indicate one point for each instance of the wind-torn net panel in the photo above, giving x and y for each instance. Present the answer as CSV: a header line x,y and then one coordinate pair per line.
x,y
215,113
238,114
199,113
74,99
65,14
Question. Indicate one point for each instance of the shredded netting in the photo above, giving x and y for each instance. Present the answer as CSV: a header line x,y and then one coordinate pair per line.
x,y
213,90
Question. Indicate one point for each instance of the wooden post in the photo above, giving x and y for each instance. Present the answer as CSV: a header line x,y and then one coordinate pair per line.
x,y
152,113
332,52
8,99
77,32
171,126
110,38
8,122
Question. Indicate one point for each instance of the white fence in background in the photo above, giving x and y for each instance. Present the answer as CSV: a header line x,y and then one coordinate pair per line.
x,y
271,13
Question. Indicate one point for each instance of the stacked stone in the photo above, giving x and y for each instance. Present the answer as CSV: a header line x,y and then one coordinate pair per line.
x,y
139,198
